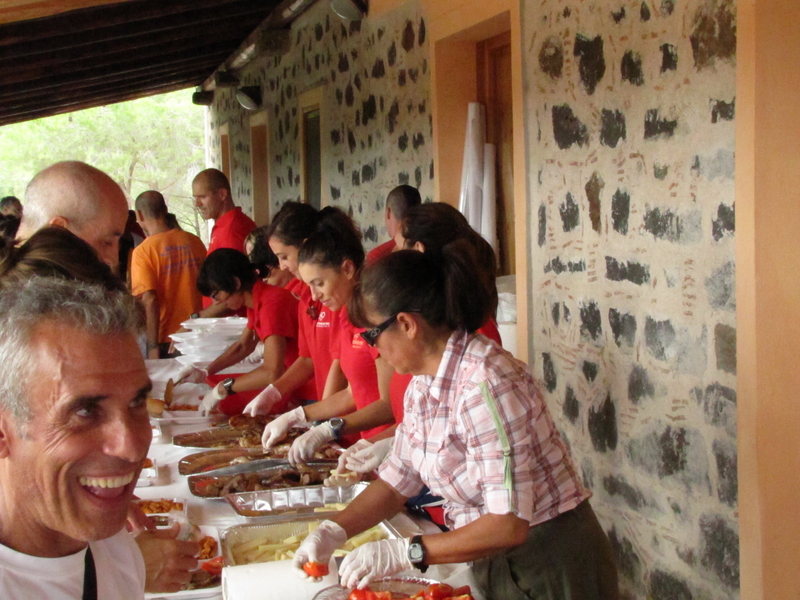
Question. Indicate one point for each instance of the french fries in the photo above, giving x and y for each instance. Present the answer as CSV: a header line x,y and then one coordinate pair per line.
x,y
263,549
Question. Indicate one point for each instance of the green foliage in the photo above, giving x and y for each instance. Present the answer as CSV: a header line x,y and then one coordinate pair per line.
x,y
151,143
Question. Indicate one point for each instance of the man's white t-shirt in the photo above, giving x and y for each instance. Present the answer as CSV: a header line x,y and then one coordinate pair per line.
x,y
118,563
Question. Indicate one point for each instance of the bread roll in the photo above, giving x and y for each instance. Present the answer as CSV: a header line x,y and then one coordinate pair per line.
x,y
155,406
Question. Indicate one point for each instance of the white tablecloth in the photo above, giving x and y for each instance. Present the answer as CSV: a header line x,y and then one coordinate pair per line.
x,y
218,513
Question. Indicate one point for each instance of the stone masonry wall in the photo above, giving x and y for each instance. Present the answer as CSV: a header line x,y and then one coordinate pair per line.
x,y
376,124
630,140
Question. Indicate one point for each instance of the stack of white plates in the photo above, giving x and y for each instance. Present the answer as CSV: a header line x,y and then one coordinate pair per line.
x,y
207,339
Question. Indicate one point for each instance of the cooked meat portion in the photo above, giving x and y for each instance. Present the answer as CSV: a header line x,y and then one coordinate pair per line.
x,y
271,479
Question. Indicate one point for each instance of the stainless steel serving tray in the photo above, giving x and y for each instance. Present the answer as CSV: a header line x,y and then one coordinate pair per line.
x,y
307,501
211,460
271,533
262,468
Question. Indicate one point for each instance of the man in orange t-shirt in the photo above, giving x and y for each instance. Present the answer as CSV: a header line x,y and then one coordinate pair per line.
x,y
164,270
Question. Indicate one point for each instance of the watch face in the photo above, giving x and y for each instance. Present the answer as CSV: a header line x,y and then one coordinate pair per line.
x,y
415,553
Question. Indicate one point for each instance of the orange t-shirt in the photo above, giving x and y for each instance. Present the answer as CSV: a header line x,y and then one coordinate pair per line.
x,y
168,264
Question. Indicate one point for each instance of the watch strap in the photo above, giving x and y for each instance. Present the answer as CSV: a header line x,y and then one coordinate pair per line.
x,y
415,546
228,385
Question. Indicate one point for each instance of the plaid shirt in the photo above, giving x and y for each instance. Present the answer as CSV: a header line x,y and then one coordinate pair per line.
x,y
448,439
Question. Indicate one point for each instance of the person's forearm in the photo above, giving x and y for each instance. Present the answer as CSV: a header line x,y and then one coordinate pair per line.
x,y
215,310
152,317
295,376
378,502
235,353
337,405
335,382
484,537
374,414
386,433
269,370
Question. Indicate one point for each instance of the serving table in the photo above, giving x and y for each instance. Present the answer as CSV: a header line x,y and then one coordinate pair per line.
x,y
219,514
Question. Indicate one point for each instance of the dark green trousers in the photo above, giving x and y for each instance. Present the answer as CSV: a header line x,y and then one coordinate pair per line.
x,y
566,558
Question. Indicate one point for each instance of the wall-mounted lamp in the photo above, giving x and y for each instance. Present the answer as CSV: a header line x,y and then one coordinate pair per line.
x,y
225,79
351,10
249,97
202,98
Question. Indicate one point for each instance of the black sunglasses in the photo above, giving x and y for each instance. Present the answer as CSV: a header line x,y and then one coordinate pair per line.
x,y
371,335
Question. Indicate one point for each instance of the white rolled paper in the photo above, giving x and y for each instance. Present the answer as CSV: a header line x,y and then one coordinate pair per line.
x,y
470,198
272,581
488,227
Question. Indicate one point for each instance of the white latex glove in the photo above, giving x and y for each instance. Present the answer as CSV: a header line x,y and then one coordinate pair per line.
x,y
374,560
210,400
318,547
365,456
261,404
191,374
303,448
275,430
257,355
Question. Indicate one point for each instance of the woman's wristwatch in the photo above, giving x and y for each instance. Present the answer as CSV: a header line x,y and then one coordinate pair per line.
x,y
417,555
227,385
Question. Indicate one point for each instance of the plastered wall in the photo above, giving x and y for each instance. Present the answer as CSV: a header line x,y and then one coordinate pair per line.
x,y
630,138
630,111
375,113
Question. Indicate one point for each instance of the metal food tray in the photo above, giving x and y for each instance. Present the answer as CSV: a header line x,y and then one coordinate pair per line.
x,y
208,437
211,460
263,467
272,505
275,532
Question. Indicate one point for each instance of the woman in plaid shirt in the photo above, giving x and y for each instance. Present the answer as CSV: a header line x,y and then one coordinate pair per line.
x,y
477,432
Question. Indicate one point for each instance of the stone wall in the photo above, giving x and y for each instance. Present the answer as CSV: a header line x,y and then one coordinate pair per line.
x,y
375,112
630,139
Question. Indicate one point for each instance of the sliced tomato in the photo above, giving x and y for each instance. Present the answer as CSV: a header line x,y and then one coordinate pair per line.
x,y
315,569
213,566
365,594
382,595
438,591
462,591
461,597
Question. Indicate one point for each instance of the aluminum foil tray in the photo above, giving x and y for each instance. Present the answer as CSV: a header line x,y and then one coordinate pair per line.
x,y
211,460
197,483
270,505
272,533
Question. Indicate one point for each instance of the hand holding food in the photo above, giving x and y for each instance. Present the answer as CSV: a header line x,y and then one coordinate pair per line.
x,y
339,478
318,547
168,561
365,456
374,561
263,403
303,448
210,401
191,374
274,431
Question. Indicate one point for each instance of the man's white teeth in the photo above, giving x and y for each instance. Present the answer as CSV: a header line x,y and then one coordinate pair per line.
x,y
106,482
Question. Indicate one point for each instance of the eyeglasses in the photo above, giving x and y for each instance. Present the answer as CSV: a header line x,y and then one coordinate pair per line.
x,y
371,335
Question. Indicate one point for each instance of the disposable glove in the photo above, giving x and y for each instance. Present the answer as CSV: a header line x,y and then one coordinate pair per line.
x,y
257,355
210,400
274,431
261,404
191,374
374,560
365,456
318,547
303,448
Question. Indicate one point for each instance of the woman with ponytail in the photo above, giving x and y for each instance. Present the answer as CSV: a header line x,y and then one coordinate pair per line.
x,y
477,432
330,261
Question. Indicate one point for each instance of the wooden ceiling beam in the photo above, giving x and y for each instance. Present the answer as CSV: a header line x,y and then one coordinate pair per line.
x,y
109,54
135,62
15,95
57,110
111,15
179,25
74,102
